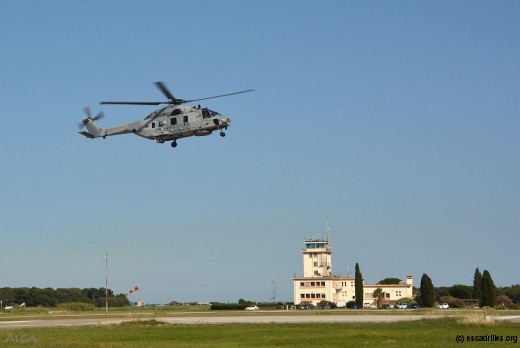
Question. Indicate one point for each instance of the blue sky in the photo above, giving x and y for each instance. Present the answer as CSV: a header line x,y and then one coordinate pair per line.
x,y
397,120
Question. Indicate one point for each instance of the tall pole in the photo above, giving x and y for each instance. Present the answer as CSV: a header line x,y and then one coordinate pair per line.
x,y
106,285
274,288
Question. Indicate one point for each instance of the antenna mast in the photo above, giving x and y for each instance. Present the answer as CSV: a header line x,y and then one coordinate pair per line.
x,y
327,228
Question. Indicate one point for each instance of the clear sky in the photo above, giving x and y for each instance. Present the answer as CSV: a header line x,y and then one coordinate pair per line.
x,y
399,120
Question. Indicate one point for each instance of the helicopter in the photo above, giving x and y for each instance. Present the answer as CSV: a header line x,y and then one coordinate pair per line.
x,y
172,122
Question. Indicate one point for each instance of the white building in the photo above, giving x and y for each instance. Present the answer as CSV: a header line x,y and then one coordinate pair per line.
x,y
318,283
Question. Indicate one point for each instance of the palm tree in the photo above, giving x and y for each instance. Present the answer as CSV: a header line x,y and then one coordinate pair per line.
x,y
379,295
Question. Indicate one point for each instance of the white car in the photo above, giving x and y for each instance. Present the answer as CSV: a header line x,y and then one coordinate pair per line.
x,y
443,306
252,308
401,306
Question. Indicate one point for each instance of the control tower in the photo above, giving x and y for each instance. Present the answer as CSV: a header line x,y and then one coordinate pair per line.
x,y
317,258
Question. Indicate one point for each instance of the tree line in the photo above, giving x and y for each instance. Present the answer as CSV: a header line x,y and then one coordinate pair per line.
x,y
483,290
48,297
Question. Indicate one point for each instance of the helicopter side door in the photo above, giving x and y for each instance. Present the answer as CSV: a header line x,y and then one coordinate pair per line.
x,y
174,120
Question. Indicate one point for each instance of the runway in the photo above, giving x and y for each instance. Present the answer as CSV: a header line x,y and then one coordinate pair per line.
x,y
228,319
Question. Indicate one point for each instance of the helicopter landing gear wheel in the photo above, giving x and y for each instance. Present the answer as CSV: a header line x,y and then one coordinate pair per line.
x,y
174,144
222,134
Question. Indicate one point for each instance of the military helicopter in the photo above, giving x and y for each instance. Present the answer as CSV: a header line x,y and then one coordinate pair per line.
x,y
170,123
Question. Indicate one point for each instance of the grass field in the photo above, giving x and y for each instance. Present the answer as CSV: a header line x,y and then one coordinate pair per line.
x,y
150,333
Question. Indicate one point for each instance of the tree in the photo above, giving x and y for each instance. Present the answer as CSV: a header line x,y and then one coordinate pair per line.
x,y
427,293
487,290
461,291
477,284
453,302
504,300
359,287
514,293
390,281
441,291
406,300
379,295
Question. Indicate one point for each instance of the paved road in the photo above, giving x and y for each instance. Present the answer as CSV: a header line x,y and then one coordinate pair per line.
x,y
250,319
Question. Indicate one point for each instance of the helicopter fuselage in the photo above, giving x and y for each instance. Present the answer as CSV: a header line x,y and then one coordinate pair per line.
x,y
167,124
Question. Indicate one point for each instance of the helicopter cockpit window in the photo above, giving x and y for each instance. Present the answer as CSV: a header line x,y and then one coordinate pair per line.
x,y
176,112
214,113
205,113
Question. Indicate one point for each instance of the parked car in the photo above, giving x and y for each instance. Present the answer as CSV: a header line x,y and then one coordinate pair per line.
x,y
443,306
307,306
401,306
252,308
414,306
385,306
341,304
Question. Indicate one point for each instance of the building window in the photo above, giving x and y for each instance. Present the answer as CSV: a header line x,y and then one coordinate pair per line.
x,y
302,295
302,284
313,296
315,273
312,283
387,295
307,295
315,264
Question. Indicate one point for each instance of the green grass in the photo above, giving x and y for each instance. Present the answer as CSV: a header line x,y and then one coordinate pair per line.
x,y
152,333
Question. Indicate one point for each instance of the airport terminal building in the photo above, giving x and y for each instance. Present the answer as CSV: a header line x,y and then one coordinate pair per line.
x,y
319,284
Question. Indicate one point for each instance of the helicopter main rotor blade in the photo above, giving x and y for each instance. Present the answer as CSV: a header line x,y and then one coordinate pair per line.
x,y
162,86
218,96
132,103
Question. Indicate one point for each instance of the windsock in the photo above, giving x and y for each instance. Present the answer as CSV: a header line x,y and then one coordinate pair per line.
x,y
131,291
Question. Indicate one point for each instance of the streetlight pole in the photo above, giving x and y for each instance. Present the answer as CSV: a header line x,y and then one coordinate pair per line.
x,y
106,285
274,289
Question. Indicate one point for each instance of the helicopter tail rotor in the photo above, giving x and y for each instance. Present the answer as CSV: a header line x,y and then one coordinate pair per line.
x,y
89,117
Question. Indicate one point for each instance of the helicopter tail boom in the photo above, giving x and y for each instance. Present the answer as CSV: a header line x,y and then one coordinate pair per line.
x,y
94,131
